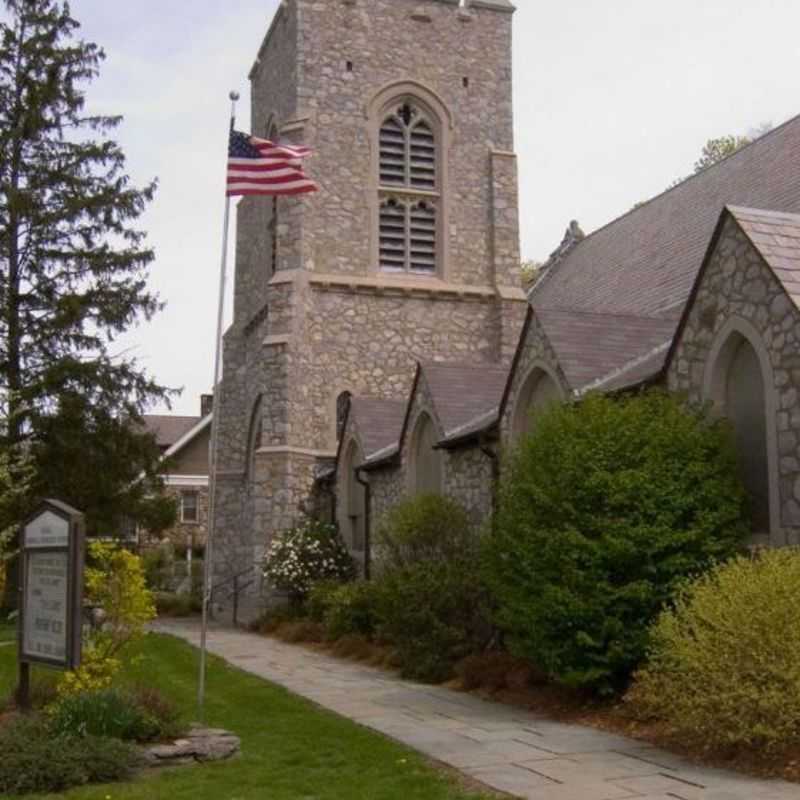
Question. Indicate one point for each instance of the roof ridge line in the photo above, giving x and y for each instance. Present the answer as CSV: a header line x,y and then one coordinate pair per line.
x,y
763,137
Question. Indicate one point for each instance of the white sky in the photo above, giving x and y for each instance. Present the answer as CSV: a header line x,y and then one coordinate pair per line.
x,y
614,101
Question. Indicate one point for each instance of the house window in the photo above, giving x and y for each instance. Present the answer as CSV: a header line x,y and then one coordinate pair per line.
x,y
189,507
409,191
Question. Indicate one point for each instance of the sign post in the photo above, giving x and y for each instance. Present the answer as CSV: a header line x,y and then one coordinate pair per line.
x,y
51,592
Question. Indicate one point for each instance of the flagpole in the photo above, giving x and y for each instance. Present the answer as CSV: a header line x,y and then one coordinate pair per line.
x,y
208,571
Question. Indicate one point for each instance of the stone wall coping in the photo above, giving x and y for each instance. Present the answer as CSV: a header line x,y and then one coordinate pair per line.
x,y
278,338
284,276
512,293
494,5
295,451
186,480
404,285
295,125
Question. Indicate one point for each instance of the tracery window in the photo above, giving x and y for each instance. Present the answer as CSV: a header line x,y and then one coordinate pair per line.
x,y
409,189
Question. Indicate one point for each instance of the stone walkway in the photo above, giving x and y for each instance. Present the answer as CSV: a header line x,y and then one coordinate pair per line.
x,y
505,748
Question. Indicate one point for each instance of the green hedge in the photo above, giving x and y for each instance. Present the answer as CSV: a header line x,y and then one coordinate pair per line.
x,y
603,509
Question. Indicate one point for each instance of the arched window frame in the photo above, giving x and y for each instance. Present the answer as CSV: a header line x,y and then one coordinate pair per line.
x,y
352,504
715,376
537,372
439,117
422,423
254,440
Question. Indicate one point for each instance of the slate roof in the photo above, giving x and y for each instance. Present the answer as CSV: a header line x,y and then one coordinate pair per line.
x,y
461,393
777,237
646,261
640,268
379,422
592,346
167,428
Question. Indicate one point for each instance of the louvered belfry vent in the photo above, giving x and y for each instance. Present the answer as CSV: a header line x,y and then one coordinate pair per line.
x,y
422,160
409,188
422,238
393,236
393,153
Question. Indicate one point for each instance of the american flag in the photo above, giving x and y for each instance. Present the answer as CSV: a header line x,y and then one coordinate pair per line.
x,y
258,166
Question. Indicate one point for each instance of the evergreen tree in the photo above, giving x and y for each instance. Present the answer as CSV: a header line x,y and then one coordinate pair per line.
x,y
73,271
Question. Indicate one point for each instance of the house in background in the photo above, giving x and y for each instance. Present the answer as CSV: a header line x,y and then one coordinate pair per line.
x,y
184,443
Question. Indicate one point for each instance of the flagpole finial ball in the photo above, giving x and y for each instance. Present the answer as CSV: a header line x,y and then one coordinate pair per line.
x,y
234,96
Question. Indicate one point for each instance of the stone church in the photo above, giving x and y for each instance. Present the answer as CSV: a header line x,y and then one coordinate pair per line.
x,y
382,344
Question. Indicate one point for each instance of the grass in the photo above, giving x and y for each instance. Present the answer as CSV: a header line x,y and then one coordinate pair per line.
x,y
8,631
291,749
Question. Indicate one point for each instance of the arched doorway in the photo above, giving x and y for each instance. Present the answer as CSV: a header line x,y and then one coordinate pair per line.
x,y
538,393
739,392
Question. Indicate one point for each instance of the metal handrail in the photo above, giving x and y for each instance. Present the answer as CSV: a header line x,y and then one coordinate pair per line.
x,y
237,590
232,578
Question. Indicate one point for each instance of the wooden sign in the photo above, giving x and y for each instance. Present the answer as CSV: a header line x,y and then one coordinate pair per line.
x,y
51,589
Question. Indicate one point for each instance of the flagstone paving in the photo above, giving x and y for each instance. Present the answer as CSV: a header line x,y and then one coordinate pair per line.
x,y
508,749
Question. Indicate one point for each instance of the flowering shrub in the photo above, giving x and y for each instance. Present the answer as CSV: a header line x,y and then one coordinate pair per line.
x,y
115,584
311,551
724,660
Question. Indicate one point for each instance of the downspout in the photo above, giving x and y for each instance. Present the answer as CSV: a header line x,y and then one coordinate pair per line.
x,y
367,523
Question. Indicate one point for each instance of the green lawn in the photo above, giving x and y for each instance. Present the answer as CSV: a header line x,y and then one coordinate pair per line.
x,y
291,749
8,632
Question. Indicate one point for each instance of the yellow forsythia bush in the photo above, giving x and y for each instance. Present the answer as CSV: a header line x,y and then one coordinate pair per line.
x,y
115,583
724,663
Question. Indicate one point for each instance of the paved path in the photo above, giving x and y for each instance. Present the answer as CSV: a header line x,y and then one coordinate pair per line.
x,y
506,748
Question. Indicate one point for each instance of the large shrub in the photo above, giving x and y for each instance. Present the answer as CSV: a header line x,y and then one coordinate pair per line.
x,y
603,509
428,601
724,663
312,551
433,614
34,760
345,609
424,528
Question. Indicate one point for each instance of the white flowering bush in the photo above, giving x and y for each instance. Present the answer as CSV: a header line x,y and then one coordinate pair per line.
x,y
311,551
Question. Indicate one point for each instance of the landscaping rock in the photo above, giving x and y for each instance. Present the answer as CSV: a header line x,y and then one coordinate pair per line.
x,y
199,745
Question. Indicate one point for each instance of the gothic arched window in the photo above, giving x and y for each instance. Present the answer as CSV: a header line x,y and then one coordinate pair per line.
x,y
539,392
409,189
426,461
739,392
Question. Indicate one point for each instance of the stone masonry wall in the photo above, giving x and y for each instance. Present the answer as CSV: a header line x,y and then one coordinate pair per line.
x,y
327,321
466,472
535,348
738,284
434,44
369,343
469,481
